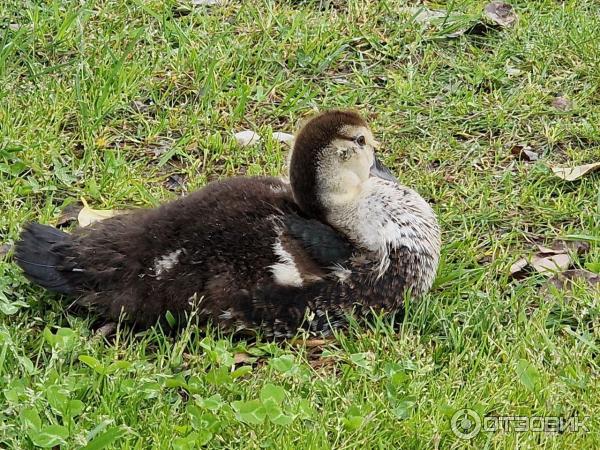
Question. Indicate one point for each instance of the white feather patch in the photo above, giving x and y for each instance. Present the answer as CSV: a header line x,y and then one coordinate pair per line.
x,y
278,189
341,273
386,217
166,262
226,315
285,271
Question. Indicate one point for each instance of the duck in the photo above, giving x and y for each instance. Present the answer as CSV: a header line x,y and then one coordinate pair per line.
x,y
256,254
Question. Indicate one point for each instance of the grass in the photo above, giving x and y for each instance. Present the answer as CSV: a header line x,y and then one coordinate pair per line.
x,y
109,99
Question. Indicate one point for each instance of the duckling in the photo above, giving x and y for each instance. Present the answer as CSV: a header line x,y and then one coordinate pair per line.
x,y
257,253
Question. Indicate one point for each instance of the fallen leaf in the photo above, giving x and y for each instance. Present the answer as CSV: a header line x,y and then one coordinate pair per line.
x,y
243,358
246,138
546,251
550,258
485,259
524,152
573,173
176,183
142,106
69,214
185,8
579,247
435,18
500,14
14,26
517,269
312,343
322,363
449,178
558,246
4,249
87,215
284,138
340,80
564,281
424,15
106,329
160,147
495,15
562,103
551,264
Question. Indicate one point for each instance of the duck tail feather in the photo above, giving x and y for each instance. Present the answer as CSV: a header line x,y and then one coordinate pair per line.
x,y
40,253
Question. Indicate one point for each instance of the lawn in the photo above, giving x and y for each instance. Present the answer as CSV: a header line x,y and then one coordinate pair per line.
x,y
131,103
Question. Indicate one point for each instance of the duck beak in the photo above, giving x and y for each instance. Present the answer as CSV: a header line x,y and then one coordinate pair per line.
x,y
380,171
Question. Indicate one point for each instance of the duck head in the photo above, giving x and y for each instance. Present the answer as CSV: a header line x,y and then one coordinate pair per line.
x,y
333,158
336,177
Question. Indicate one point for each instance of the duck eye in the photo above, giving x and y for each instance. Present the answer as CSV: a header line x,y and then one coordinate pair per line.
x,y
360,140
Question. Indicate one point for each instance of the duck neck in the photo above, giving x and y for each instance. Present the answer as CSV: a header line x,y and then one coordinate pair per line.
x,y
384,217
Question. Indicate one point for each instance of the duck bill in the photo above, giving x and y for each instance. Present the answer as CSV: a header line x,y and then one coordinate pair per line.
x,y
380,171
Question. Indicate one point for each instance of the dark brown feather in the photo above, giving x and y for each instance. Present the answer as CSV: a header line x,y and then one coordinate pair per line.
x,y
224,232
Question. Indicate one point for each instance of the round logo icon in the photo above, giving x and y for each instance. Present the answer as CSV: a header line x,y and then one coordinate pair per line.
x,y
466,424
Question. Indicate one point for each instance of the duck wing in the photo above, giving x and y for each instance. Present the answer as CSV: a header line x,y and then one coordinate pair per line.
x,y
322,243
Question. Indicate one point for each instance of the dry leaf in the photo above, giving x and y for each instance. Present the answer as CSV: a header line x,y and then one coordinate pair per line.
x,y
142,106
579,247
424,15
322,363
546,250
4,249
495,15
69,214
501,14
562,103
176,183
564,281
246,138
517,269
160,147
311,343
243,358
573,173
551,264
485,259
549,259
284,138
88,216
106,330
524,152
430,18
